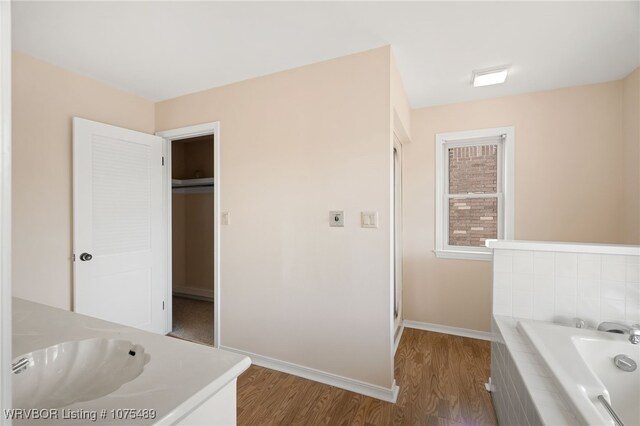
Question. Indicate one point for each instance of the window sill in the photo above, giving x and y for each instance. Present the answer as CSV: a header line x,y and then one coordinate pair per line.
x,y
465,255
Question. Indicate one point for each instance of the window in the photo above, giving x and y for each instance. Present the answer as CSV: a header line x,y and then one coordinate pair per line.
x,y
474,191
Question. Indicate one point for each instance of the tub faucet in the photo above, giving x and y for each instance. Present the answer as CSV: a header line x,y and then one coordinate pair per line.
x,y
613,327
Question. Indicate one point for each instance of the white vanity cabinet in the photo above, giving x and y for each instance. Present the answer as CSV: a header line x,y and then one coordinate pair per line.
x,y
183,383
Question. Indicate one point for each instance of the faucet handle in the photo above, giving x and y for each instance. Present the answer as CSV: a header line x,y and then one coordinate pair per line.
x,y
579,322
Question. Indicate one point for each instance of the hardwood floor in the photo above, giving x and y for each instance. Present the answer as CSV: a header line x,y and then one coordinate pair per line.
x,y
441,381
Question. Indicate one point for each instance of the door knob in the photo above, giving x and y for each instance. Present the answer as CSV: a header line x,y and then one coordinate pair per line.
x,y
85,256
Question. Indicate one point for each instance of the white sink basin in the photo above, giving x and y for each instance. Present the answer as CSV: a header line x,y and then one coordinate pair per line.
x,y
76,371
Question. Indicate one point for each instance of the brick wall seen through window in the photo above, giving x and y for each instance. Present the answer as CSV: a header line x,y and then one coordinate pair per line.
x,y
473,170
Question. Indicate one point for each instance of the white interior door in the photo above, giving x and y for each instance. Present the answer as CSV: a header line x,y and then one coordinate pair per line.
x,y
118,225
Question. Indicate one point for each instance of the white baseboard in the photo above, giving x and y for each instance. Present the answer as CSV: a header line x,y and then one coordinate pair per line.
x,y
464,332
193,292
374,391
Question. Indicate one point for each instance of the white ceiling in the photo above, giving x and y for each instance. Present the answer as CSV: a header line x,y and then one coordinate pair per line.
x,y
161,50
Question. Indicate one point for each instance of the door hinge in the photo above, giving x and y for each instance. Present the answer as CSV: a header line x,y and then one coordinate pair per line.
x,y
74,257
163,160
163,305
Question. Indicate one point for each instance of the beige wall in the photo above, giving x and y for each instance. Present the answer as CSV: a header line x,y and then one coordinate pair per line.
x,y
305,141
199,241
568,187
45,98
295,145
178,219
192,245
631,138
178,240
401,110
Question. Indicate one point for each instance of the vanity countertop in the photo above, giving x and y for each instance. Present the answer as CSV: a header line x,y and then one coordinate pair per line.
x,y
179,377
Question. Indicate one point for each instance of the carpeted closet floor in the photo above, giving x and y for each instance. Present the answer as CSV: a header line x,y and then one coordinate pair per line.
x,y
193,320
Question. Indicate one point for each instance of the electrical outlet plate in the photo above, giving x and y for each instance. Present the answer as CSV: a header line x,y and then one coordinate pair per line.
x,y
336,218
369,219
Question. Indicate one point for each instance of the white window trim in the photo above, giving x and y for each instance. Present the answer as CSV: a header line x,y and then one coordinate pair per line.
x,y
507,162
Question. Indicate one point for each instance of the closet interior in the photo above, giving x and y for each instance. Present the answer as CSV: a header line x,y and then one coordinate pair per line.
x,y
192,238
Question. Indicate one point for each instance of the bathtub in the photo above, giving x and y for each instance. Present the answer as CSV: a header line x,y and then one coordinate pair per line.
x,y
581,363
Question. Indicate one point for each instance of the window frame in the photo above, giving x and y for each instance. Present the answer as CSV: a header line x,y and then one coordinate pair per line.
x,y
504,194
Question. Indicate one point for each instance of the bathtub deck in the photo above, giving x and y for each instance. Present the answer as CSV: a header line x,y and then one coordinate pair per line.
x,y
441,381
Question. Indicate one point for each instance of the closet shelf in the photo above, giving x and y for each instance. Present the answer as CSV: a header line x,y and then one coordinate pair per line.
x,y
192,186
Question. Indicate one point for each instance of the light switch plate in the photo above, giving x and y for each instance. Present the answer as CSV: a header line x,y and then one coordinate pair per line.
x,y
336,218
226,219
369,219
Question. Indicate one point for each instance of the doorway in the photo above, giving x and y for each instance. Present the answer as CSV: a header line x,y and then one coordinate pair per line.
x,y
192,200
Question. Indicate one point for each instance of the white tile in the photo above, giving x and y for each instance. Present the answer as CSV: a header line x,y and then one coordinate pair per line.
x,y
543,263
613,290
513,336
633,272
544,284
566,265
502,261
522,282
511,415
523,311
613,271
588,310
565,318
543,314
589,266
543,301
612,310
589,287
522,297
531,367
502,309
613,258
633,259
522,262
543,306
523,304
533,357
566,304
632,294
502,279
632,313
502,294
521,347
566,285
502,301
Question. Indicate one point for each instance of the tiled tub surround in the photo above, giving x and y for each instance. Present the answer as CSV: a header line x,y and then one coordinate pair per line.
x,y
552,282
523,391
558,282
581,362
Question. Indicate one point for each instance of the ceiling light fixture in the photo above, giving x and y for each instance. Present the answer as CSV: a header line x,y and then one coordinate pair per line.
x,y
487,77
